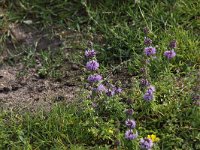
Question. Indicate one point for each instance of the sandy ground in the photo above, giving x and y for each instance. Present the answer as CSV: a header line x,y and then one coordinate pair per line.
x,y
30,92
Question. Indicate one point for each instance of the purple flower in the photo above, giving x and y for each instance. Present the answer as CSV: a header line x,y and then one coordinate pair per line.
x,y
129,135
101,88
92,65
146,30
94,78
118,90
150,51
173,44
144,82
148,96
151,89
129,112
170,54
130,123
129,101
146,144
142,70
147,41
90,53
110,92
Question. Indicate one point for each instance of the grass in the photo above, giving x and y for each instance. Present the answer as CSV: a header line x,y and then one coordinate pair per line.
x,y
172,115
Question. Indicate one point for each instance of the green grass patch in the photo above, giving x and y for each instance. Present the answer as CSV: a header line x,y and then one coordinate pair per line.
x,y
173,115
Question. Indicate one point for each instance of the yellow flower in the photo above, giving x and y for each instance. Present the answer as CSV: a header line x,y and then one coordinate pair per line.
x,y
110,131
153,138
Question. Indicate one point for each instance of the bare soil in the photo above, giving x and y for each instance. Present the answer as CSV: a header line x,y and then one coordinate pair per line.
x,y
29,91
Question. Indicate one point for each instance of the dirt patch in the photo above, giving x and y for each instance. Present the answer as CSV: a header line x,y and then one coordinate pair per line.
x,y
30,92
29,36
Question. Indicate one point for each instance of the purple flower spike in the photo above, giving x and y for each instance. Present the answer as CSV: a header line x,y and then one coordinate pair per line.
x,y
129,135
144,82
92,65
147,41
151,89
170,54
110,92
148,96
146,144
129,112
173,44
94,78
146,30
150,51
118,90
90,53
101,88
142,70
129,101
130,123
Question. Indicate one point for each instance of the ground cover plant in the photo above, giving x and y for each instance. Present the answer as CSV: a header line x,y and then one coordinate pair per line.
x,y
138,74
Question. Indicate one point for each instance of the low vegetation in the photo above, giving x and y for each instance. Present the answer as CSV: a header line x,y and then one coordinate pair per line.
x,y
139,86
